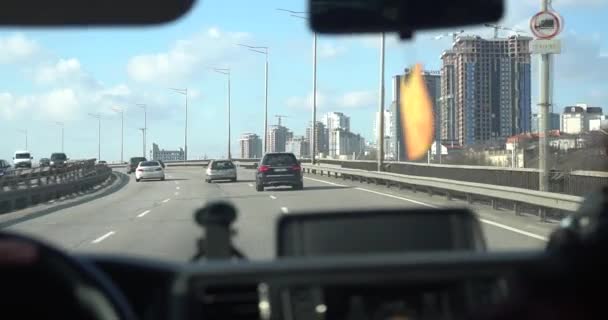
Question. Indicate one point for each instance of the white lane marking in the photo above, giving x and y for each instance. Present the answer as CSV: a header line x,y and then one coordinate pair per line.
x,y
273,197
251,184
177,193
284,210
496,224
169,176
100,239
396,197
323,181
51,201
166,200
176,188
525,233
143,213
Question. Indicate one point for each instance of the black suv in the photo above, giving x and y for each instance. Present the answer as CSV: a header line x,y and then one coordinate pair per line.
x,y
58,160
279,169
133,163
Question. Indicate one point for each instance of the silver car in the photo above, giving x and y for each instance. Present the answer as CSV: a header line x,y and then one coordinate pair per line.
x,y
220,170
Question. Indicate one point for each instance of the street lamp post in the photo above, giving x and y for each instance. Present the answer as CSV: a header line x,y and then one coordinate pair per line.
x,y
98,117
226,72
381,107
264,51
184,92
143,140
24,131
313,151
62,127
145,132
122,131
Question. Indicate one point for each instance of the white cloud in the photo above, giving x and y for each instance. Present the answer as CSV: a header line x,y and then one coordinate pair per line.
x,y
188,57
331,50
62,71
345,100
16,48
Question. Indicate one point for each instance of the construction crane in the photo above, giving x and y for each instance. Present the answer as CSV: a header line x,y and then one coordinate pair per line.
x,y
451,34
499,27
280,117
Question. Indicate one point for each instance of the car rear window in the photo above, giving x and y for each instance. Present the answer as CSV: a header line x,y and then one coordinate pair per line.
x,y
149,164
22,156
137,160
280,160
221,165
58,156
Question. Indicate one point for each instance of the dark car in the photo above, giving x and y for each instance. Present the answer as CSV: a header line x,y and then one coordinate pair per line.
x,y
133,163
58,160
5,168
44,162
279,169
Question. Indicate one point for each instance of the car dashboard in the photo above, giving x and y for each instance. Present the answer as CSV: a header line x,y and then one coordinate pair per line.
x,y
414,286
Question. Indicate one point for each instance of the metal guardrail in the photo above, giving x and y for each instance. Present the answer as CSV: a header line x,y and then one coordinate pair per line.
x,y
544,202
578,183
28,187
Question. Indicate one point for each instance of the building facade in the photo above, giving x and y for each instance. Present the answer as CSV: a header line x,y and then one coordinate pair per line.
x,y
345,144
336,120
321,137
485,89
250,146
167,155
299,146
581,118
277,138
552,124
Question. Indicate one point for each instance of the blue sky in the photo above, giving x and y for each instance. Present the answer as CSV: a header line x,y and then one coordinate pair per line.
x,y
62,75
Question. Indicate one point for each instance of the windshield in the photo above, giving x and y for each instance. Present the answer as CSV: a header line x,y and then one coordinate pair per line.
x,y
197,90
58,156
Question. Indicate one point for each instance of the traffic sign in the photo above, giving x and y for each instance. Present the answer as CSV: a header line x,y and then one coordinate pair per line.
x,y
545,46
546,24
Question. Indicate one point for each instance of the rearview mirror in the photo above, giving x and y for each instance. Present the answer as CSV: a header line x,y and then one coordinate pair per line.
x,y
92,12
404,16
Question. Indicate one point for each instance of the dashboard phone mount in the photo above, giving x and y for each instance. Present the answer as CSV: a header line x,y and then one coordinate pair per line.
x,y
216,219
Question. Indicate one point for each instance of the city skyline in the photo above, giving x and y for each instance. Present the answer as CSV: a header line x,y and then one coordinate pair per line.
x,y
52,76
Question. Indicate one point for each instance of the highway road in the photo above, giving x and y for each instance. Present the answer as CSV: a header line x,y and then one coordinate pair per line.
x,y
155,218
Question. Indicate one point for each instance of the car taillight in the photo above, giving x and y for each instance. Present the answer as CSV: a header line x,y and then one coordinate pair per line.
x,y
141,170
263,168
296,168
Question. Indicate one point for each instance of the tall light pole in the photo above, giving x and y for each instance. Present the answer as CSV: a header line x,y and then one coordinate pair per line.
x,y
264,51
226,72
313,151
143,140
145,107
62,127
122,131
24,131
543,114
98,117
381,107
184,92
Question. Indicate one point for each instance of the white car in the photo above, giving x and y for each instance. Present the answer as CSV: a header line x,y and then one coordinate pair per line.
x,y
220,170
149,170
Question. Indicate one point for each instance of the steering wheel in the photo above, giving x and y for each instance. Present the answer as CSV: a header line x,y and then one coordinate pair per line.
x,y
41,282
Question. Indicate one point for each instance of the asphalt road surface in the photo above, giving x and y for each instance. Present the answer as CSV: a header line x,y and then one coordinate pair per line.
x,y
155,218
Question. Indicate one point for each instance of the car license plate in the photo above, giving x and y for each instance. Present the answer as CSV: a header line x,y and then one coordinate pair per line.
x,y
280,170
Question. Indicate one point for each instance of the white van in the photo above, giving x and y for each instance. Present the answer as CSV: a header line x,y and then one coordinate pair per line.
x,y
22,159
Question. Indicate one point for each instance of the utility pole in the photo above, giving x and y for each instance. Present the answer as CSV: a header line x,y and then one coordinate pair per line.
x,y
543,114
122,131
264,51
381,107
143,106
98,117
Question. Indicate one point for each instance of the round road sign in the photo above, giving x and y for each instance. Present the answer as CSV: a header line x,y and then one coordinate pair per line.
x,y
545,24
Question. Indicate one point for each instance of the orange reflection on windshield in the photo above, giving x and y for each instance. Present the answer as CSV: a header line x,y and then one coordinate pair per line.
x,y
416,115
